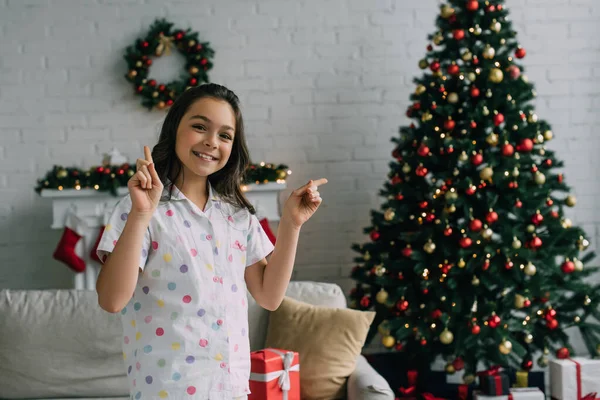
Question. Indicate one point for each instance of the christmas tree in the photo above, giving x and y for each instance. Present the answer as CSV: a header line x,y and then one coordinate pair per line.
x,y
471,256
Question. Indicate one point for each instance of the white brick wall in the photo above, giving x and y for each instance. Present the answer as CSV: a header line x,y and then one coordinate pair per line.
x,y
324,85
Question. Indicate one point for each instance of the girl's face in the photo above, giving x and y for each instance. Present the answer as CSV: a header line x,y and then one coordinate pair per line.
x,y
205,136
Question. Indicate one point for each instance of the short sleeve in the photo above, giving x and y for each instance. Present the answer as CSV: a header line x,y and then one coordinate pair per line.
x,y
259,245
113,229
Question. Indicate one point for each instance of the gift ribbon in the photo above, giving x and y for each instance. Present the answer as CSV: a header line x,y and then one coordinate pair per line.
x,y
589,396
494,372
283,376
463,392
429,396
411,389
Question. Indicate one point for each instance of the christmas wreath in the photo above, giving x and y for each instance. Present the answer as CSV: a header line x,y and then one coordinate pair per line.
x,y
161,38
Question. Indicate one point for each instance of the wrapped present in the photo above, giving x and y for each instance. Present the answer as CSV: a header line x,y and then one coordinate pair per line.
x,y
527,379
515,394
574,378
274,375
494,382
437,384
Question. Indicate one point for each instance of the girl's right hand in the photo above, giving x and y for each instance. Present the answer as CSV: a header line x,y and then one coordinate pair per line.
x,y
145,186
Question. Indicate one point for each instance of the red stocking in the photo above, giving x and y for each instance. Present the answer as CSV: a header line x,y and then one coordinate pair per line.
x,y
65,251
264,223
93,254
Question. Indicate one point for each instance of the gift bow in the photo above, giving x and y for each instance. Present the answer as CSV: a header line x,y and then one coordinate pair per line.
x,y
283,376
492,371
411,389
590,396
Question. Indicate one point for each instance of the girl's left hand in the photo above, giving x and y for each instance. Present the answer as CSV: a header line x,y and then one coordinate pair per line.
x,y
303,202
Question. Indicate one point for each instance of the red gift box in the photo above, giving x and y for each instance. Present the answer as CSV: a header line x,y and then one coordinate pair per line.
x,y
274,375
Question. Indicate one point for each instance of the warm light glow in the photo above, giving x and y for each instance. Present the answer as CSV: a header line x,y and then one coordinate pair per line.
x,y
96,187
244,188
60,188
77,187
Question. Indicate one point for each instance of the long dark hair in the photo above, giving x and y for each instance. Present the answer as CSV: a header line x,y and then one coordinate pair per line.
x,y
227,181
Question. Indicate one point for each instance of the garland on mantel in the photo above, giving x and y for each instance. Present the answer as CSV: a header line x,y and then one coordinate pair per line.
x,y
112,177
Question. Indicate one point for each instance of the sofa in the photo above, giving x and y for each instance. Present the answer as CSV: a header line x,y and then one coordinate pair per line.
x,y
59,344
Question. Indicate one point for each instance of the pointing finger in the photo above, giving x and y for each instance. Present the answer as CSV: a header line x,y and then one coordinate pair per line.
x,y
147,154
319,182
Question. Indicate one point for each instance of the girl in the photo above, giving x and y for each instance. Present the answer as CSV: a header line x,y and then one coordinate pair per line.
x,y
180,250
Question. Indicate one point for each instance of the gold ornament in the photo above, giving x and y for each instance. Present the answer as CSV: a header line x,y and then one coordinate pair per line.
x,y
487,233
540,178
570,201
582,243
138,64
384,328
406,168
389,214
471,76
528,338
130,172
519,301
452,98
543,361
566,223
281,174
132,73
367,256
539,138
429,247
381,296
388,341
495,26
463,156
489,52
515,172
578,265
423,64
161,105
446,337
450,369
451,208
548,135
505,347
438,38
477,30
577,319
485,111
529,269
447,11
191,43
496,75
587,301
426,116
380,270
467,56
492,139
451,195
461,263
420,89
532,118
516,244
193,70
530,228
62,173
475,281
486,174
469,379
154,94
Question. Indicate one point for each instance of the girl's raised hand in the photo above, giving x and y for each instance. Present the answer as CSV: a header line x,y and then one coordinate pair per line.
x,y
303,202
145,186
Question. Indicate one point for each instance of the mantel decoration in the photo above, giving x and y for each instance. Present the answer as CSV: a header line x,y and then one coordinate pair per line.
x,y
161,38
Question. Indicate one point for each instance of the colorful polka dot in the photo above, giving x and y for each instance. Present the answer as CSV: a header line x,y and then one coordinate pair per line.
x,y
144,253
209,267
108,227
138,395
138,366
171,286
126,339
137,306
160,303
124,217
201,312
216,251
183,269
133,323
169,213
193,252
160,331
187,223
218,357
124,311
148,349
187,299
243,331
203,342
124,356
148,319
161,363
236,347
155,273
149,379
146,289
176,376
175,346
154,245
174,315
190,359
163,394
138,336
230,258
234,288
167,257
191,390
129,370
208,237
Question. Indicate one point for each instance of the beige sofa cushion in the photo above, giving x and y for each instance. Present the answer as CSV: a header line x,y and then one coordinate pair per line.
x,y
59,343
328,341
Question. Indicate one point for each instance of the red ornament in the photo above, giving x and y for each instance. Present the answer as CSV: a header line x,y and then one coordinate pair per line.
x,y
396,180
449,124
365,302
198,48
527,364
472,5
458,363
554,214
434,66
448,231
477,159
473,124
402,305
491,217
562,353
471,190
536,243
552,324
534,168
139,89
494,321
421,171
549,202
161,87
430,217
423,342
499,7
458,34
518,204
423,204
399,346
520,52
423,150
537,218
513,185
465,242
193,81
446,268
400,197
375,235
508,265
526,303
560,178
145,44
179,35
148,62
568,267
407,251
475,329
498,119
152,82
525,146
486,265
514,71
169,102
508,150
475,92
437,313
429,47
550,314
475,225
490,8
453,69
204,61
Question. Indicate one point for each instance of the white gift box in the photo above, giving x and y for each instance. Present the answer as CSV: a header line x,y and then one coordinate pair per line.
x,y
517,393
564,382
